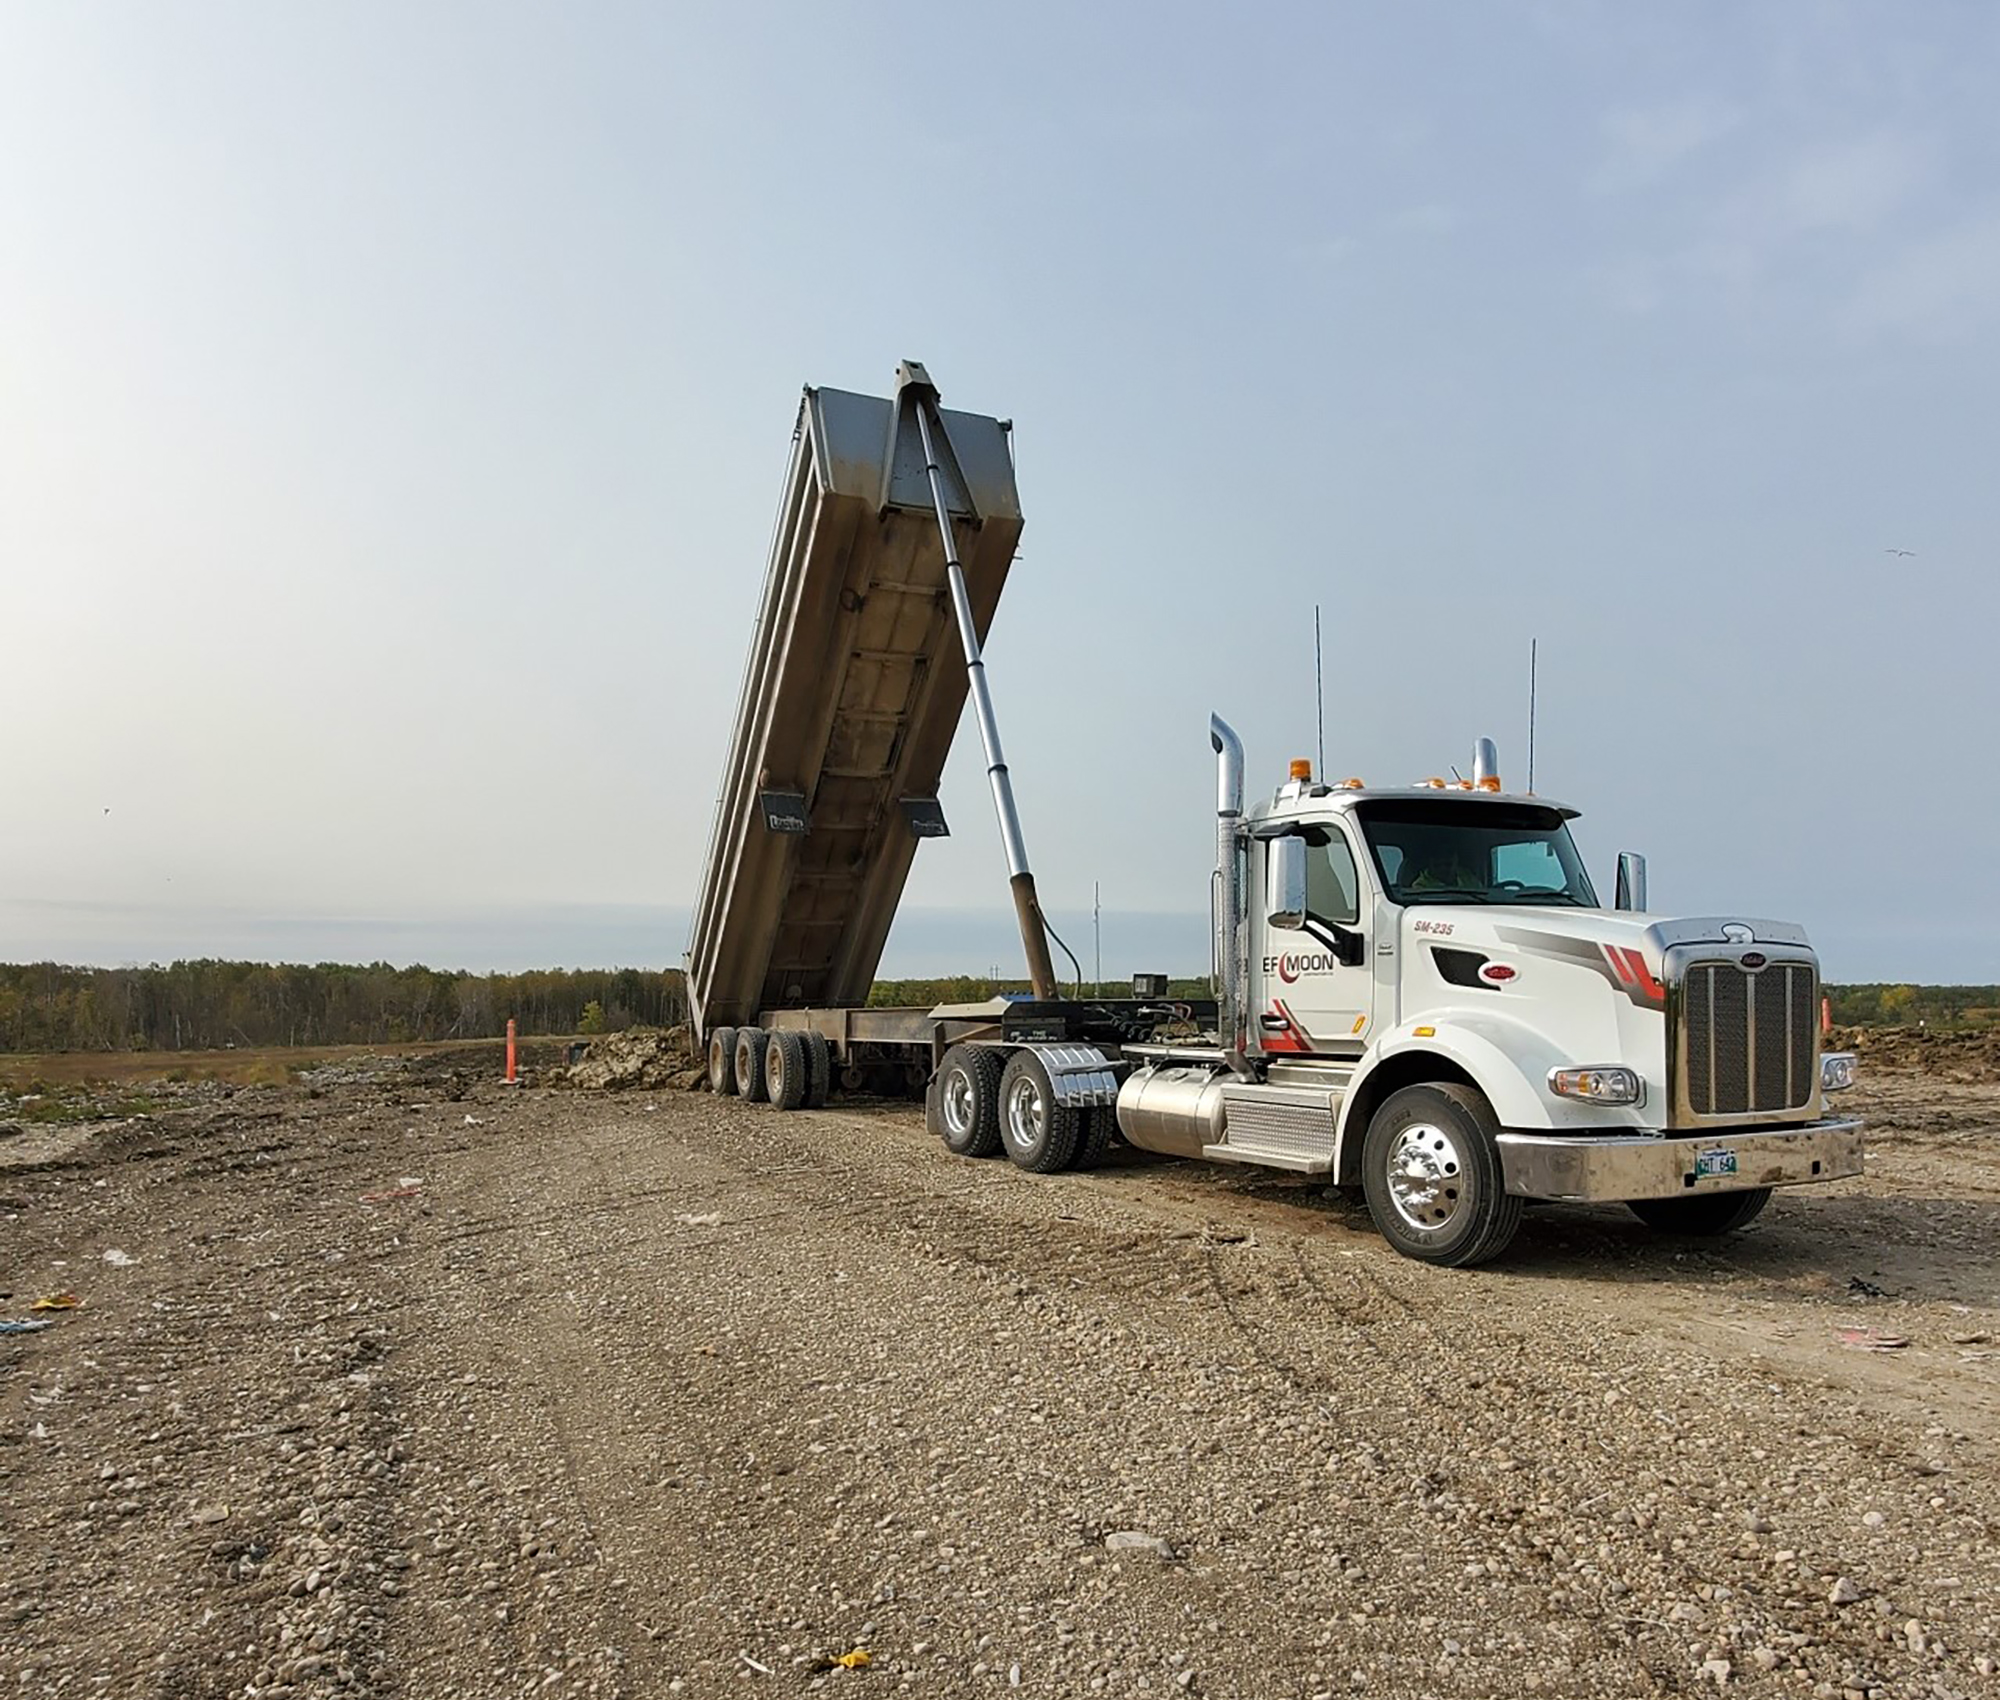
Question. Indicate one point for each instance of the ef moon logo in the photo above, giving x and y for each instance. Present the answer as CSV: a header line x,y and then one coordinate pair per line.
x,y
1293,963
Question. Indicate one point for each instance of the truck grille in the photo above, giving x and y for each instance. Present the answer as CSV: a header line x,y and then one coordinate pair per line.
x,y
1749,1039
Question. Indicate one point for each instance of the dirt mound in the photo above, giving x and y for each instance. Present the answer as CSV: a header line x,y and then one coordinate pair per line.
x,y
1972,1057
647,1058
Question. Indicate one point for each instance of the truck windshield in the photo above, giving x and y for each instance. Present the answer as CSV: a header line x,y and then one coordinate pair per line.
x,y
1452,850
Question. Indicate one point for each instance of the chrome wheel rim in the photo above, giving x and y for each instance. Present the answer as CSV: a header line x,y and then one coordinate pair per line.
x,y
958,1105
1025,1114
1426,1176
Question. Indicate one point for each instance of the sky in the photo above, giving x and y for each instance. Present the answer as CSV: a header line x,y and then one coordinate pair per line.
x,y
394,400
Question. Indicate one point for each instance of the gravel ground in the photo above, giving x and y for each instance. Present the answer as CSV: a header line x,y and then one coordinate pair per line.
x,y
398,1387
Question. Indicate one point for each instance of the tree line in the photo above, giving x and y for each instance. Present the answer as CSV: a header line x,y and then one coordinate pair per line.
x,y
1948,1007
207,1005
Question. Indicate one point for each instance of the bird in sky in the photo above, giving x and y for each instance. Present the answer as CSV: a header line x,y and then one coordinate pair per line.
x,y
1899,551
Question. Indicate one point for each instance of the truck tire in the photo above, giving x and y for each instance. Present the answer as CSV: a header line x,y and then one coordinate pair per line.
x,y
819,1071
750,1063
722,1062
1038,1133
785,1078
1430,1167
1704,1215
963,1103
1099,1124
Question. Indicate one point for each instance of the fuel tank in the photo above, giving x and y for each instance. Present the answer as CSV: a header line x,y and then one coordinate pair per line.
x,y
1175,1110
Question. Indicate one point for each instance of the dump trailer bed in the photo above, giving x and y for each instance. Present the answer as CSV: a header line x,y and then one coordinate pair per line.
x,y
853,691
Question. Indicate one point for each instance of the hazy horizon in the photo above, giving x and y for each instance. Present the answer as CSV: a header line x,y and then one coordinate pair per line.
x,y
927,942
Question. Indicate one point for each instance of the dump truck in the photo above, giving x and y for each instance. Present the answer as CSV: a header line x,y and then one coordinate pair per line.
x,y
1417,993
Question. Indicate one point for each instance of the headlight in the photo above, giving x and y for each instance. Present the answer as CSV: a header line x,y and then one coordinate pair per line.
x,y
1836,1071
1597,1085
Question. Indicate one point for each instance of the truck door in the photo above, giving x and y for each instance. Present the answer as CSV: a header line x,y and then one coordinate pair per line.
x,y
1316,989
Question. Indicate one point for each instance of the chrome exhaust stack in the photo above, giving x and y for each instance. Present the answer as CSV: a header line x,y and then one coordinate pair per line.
x,y
1485,765
1227,892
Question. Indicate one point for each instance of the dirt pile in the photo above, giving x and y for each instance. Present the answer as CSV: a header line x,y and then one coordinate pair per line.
x,y
641,1058
1970,1057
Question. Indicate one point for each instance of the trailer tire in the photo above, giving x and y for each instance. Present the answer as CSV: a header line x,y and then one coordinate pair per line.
x,y
963,1103
1430,1168
1703,1216
1037,1132
1099,1124
785,1078
722,1062
819,1071
750,1064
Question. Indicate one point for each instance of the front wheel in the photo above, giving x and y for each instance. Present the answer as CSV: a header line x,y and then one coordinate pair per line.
x,y
1430,1167
1704,1216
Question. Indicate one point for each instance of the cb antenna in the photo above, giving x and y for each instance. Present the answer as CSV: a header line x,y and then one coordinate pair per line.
x,y
1319,697
1533,644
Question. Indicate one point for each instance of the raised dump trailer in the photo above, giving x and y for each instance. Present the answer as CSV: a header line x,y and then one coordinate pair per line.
x,y
896,529
852,693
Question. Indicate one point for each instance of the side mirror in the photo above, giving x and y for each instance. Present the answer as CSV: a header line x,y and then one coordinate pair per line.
x,y
1285,883
1631,880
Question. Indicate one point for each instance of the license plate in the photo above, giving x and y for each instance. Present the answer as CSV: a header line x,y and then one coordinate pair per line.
x,y
1716,1162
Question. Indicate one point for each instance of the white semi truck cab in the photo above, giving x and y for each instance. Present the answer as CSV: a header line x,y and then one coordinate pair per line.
x,y
1419,994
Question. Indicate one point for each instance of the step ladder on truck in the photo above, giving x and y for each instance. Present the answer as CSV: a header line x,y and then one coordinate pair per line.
x,y
1417,992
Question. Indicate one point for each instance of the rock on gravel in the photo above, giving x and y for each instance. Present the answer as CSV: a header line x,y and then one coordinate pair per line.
x,y
1136,1541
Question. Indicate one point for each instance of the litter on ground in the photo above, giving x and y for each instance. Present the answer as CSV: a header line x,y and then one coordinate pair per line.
x,y
1871,1340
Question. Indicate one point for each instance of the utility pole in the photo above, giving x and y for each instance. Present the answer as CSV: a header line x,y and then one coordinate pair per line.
x,y
1096,942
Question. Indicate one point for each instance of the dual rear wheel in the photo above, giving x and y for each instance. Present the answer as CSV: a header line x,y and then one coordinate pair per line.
x,y
983,1103
787,1069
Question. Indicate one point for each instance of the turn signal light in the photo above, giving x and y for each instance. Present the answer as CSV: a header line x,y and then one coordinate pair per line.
x,y
1596,1085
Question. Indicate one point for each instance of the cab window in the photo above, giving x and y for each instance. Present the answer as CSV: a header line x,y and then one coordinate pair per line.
x,y
1332,888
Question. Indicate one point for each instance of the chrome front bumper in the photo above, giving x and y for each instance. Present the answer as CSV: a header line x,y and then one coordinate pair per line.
x,y
1590,1169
